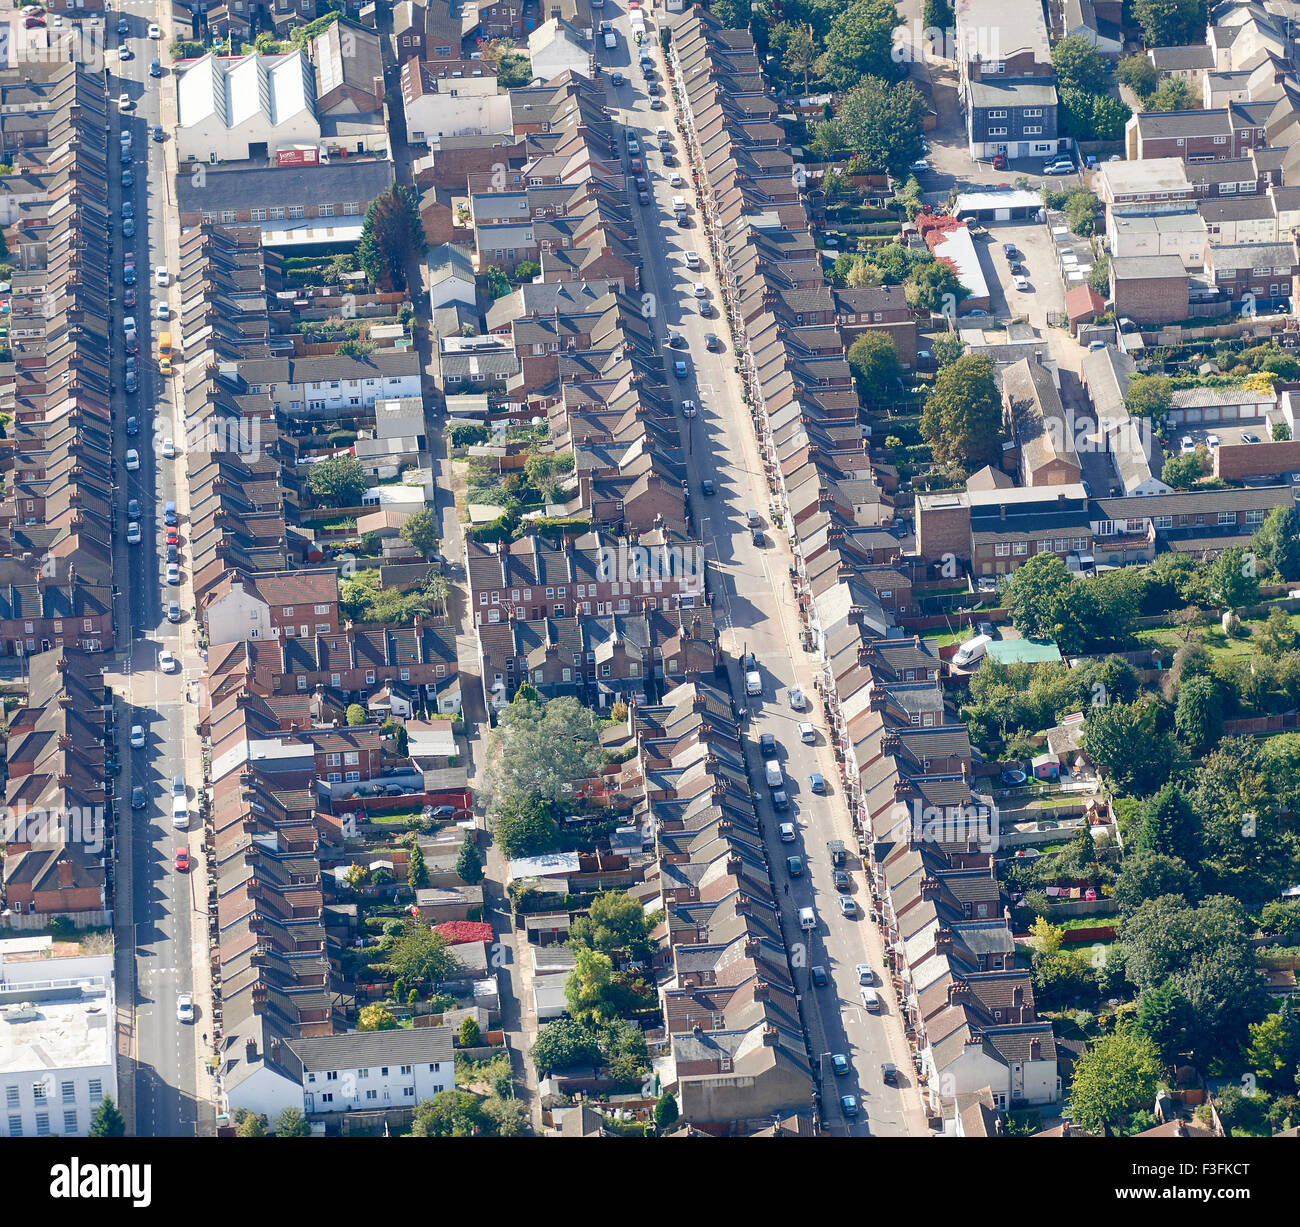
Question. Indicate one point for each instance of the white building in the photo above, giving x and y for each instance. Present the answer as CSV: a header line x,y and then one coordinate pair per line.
x,y
358,1071
556,47
326,384
58,1043
461,99
451,277
229,110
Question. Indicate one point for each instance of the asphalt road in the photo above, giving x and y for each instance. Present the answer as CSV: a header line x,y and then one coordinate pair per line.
x,y
165,905
755,607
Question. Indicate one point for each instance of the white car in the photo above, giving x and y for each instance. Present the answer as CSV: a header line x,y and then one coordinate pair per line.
x,y
807,734
920,166
169,449
797,700
185,1002
692,259
133,533
1211,440
132,460
698,290
787,832
124,102
1187,447
167,662
160,275
688,408
173,573
163,311
864,973
137,736
1021,283
675,180
155,32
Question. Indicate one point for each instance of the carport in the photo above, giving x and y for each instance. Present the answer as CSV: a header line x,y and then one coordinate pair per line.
x,y
999,205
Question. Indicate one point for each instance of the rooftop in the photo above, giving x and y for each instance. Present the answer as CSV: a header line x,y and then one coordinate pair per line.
x,y
50,1025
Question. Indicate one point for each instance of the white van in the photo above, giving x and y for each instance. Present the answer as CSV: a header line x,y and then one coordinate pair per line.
x,y
772,771
971,651
753,682
180,814
807,918
870,1000
679,204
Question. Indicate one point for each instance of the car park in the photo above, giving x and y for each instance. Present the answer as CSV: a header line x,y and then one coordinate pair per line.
x,y
794,865
137,736
185,1008
807,734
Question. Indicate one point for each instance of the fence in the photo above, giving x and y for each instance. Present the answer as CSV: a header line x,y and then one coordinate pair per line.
x,y
101,919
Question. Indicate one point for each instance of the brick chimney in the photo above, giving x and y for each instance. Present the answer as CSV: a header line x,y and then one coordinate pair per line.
x,y
66,874
770,1036
943,941
958,991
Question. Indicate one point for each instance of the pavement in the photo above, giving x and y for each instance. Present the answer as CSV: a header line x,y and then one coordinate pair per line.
x,y
161,913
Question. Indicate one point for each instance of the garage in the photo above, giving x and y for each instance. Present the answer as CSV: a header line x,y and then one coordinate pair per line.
x,y
994,205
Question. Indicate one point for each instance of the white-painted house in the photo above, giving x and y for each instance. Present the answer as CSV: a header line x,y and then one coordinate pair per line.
x,y
556,47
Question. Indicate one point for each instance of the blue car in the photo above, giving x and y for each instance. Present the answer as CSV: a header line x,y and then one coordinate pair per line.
x,y
794,865
816,783
840,1064
849,1105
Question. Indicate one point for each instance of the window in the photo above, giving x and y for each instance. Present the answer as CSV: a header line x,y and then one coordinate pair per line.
x,y
69,1091
998,114
1032,113
38,1092
406,1069
42,1124
70,1123
325,210
1164,521
1080,543
332,1075
1044,547
15,1126
351,209
295,211
1019,548
1033,130
997,131
96,1090
227,215
257,215
1001,549
1227,517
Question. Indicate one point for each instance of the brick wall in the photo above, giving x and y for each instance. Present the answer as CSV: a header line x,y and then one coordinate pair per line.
x,y
1233,461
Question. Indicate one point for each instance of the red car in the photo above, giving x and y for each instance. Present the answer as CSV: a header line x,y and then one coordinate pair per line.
x,y
128,298
183,859
173,536
999,161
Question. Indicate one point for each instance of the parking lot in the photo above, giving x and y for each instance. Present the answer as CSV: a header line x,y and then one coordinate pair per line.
x,y
1038,256
1238,432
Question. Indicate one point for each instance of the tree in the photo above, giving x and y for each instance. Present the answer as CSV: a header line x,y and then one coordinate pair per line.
x,y
1109,115
1167,823
1174,94
962,419
253,1125
469,864
504,1118
1171,23
1099,275
801,53
1079,65
356,876
1278,635
421,956
1139,74
1046,602
392,236
1081,211
375,1018
498,283
1274,1048
420,532
615,924
1116,1077
1110,603
862,274
291,1123
1198,716
1164,1016
541,751
935,287
1182,472
665,1111
588,990
947,348
1277,542
470,1034
875,365
1125,742
417,872
1149,396
860,43
107,1120
880,122
1232,578
523,826
450,1114
546,470
564,1044
338,481
355,714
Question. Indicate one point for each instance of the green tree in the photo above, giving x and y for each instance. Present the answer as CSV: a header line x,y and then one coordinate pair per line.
x,y
1116,1077
801,53
355,714
546,472
392,237
1198,716
450,1114
497,282
1147,874
523,826
1124,741
417,872
253,1125
1079,65
564,1044
375,1018
504,1118
962,419
1164,1017
1277,542
1167,823
861,43
338,481
291,1123
1273,1051
1174,94
1278,635
665,1111
875,365
469,864
1099,275
470,1034
1046,602
1182,472
1149,396
107,1120
421,956
1171,23
1232,578
935,287
588,990
420,532
880,122
1082,210
542,751
615,924
1139,74
1109,115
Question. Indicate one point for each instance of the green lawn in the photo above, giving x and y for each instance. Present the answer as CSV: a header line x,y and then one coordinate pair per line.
x,y
1211,637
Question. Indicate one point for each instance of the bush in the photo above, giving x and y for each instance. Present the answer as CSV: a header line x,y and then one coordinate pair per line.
x,y
341,438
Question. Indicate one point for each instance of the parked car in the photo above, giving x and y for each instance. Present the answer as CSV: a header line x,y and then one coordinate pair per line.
x,y
182,860
807,734
1021,284
889,1073
848,907
157,132
767,745
848,1105
797,699
999,161
133,533
132,460
185,1008
138,800
137,736
1061,166
132,426
816,782
864,973
840,879
794,865
819,977
840,1064
173,611
711,343
786,829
